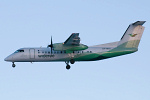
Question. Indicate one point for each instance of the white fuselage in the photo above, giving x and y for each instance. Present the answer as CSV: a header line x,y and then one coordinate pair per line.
x,y
45,54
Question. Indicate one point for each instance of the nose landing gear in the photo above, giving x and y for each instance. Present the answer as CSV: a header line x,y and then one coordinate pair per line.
x,y
13,65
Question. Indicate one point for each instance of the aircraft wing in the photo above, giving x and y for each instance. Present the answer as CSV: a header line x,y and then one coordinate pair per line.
x,y
71,44
74,39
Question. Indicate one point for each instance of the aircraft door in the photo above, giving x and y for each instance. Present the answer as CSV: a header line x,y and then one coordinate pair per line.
x,y
32,53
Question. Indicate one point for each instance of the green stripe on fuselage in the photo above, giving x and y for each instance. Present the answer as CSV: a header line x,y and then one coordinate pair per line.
x,y
125,48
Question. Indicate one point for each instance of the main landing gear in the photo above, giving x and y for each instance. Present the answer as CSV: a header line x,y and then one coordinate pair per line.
x,y
13,65
72,61
67,64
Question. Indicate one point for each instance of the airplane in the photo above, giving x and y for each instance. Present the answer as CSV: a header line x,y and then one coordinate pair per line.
x,y
72,50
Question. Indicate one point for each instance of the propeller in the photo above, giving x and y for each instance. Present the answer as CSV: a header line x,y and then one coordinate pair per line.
x,y
51,45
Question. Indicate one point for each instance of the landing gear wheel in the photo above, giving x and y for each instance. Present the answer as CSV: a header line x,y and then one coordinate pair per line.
x,y
13,65
72,61
68,67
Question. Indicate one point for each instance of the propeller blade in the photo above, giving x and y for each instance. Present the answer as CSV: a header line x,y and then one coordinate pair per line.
x,y
51,42
51,45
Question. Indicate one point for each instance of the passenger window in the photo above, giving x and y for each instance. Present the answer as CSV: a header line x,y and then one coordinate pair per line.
x,y
38,51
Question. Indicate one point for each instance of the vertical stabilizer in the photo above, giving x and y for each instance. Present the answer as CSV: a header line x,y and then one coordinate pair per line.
x,y
132,35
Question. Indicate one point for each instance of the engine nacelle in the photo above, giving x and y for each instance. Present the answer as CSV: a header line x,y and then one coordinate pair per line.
x,y
64,47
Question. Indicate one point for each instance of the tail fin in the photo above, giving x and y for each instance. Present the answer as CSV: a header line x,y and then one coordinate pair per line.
x,y
132,35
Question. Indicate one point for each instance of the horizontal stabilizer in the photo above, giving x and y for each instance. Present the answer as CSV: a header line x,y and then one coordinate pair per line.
x,y
139,23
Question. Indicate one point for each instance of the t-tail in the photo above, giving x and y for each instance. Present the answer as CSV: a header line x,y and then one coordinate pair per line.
x,y
129,42
132,36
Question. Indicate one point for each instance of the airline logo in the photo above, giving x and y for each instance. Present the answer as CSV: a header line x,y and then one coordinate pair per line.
x,y
132,35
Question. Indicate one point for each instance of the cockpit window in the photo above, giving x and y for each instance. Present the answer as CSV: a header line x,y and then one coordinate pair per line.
x,y
19,51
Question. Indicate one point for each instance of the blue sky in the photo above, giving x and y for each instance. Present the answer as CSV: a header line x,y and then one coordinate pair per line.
x,y
31,23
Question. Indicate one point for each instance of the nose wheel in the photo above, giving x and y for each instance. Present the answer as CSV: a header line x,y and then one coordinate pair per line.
x,y
13,65
67,65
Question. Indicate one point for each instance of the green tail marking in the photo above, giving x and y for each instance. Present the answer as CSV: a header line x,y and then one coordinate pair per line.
x,y
132,35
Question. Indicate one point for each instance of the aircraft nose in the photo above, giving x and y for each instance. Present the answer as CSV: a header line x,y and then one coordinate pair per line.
x,y
9,58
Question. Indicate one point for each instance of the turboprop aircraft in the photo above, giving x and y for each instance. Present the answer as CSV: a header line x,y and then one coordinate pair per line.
x,y
72,50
